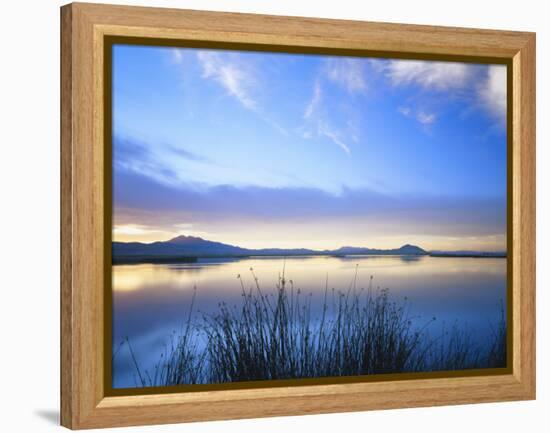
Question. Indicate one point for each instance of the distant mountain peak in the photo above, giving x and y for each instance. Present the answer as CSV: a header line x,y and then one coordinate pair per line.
x,y
182,239
412,249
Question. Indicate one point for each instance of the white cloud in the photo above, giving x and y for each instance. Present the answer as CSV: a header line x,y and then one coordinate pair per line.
x,y
177,55
421,116
313,104
493,91
439,76
348,73
425,118
231,75
489,91
405,111
238,78
315,118
435,75
334,136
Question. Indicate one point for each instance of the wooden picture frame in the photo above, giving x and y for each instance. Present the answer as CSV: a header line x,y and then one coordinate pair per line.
x,y
85,185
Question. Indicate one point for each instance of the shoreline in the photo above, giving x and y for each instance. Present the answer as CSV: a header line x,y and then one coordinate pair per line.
x,y
137,259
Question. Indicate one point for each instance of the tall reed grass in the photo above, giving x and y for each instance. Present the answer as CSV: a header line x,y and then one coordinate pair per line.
x,y
359,331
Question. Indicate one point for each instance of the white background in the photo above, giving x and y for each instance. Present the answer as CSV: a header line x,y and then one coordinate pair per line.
x,y
29,218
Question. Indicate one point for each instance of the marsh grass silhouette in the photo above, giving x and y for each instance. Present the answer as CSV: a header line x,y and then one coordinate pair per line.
x,y
360,331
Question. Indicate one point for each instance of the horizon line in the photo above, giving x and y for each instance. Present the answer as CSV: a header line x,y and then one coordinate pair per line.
x,y
462,250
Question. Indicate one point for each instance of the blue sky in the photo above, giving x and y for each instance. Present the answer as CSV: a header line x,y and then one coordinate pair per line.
x,y
266,149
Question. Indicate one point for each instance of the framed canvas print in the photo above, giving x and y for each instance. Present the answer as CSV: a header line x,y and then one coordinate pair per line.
x,y
270,216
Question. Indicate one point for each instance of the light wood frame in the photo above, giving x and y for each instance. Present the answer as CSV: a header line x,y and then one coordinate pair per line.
x,y
83,400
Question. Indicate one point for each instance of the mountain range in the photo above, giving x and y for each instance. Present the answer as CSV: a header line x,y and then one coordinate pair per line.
x,y
194,247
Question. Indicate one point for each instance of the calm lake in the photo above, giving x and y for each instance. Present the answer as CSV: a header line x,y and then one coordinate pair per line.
x,y
152,301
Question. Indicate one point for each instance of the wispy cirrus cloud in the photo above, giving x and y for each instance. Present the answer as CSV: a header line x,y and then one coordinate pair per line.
x,y
335,73
423,117
481,86
315,117
335,136
239,79
313,104
437,76
176,55
348,73
234,76
430,75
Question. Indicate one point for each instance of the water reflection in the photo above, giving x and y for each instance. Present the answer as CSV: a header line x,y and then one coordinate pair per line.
x,y
151,301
